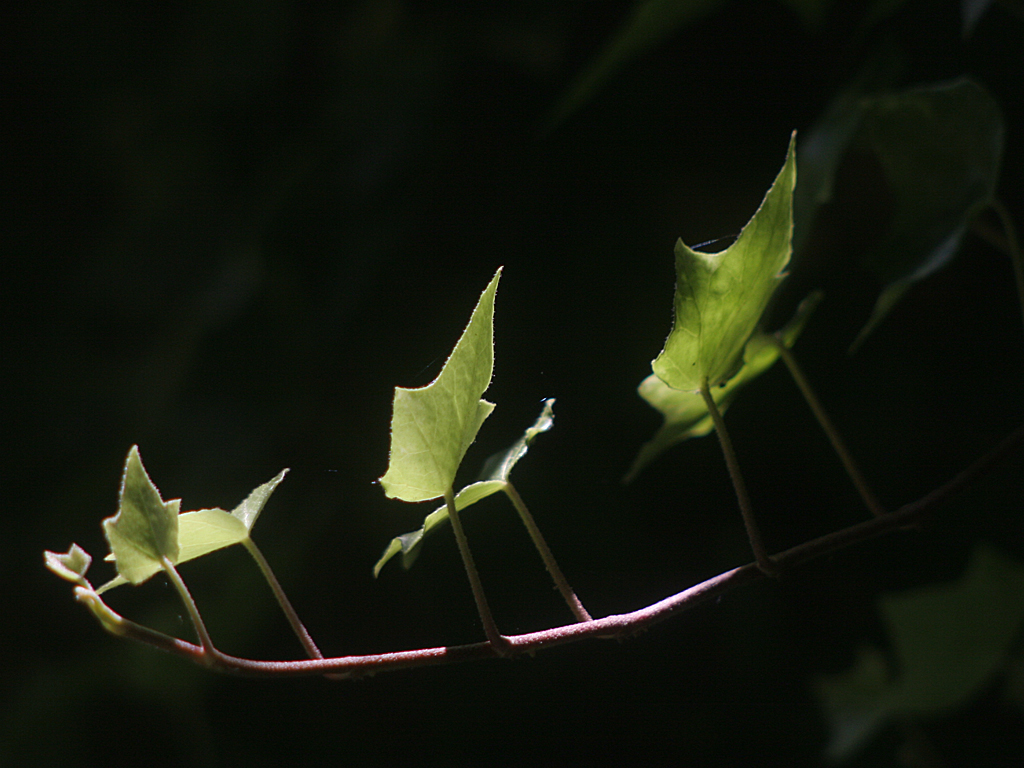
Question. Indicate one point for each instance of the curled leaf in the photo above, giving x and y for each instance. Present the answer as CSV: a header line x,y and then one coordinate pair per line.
x,y
71,565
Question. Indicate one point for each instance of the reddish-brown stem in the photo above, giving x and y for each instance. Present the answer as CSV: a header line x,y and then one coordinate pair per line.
x,y
620,626
494,637
546,555
282,600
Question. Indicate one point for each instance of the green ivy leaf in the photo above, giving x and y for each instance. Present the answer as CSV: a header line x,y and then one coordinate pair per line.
x,y
71,565
686,414
493,478
433,426
207,530
940,148
499,465
720,297
145,528
250,509
948,642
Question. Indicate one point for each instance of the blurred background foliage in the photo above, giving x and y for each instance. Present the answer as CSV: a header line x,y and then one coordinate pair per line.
x,y
231,228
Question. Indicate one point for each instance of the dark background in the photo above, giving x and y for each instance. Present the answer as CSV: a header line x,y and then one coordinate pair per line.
x,y
231,229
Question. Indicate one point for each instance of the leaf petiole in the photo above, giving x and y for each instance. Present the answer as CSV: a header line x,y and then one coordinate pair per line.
x,y
282,600
497,641
868,496
545,552
211,656
764,562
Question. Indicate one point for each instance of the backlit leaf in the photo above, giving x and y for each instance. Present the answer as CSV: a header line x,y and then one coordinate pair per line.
x,y
145,528
71,565
433,426
686,414
493,478
207,530
720,297
250,509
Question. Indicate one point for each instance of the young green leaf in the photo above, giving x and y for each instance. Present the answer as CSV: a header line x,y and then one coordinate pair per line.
x,y
948,642
433,426
250,509
207,530
720,297
686,414
493,478
939,148
71,566
145,528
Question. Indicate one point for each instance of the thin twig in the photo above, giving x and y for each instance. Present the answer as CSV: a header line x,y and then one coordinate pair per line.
x,y
210,653
764,562
818,410
622,625
545,552
486,617
282,600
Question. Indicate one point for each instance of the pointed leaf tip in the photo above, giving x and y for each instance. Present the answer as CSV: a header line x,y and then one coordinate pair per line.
x,y
145,528
208,530
432,427
250,509
720,297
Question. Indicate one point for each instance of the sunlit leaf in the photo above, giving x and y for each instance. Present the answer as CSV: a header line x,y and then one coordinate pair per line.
x,y
493,478
207,530
720,297
250,509
433,426
948,642
71,565
686,414
499,465
408,544
145,528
